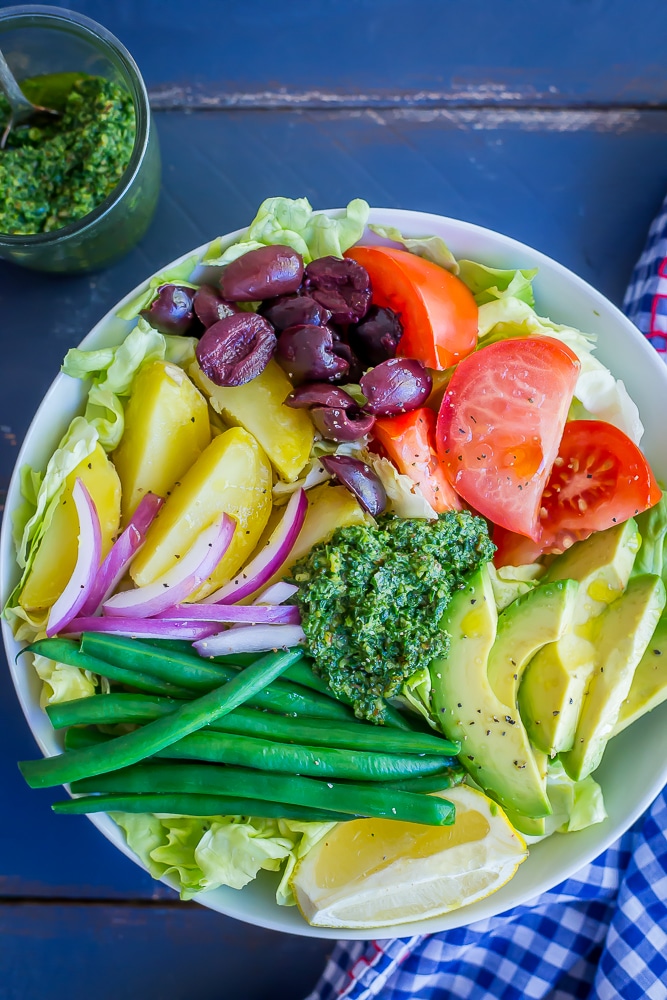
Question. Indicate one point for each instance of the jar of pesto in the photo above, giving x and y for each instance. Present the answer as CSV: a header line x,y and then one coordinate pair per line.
x,y
77,191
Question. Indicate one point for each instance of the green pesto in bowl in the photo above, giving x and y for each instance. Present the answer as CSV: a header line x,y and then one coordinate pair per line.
x,y
57,172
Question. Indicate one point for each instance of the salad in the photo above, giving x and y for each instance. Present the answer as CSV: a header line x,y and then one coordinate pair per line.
x,y
350,569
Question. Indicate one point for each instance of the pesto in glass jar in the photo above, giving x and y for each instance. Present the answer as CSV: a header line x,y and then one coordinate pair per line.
x,y
57,173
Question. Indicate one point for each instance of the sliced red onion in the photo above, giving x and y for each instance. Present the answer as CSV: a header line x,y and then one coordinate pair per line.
x,y
87,563
142,628
270,559
254,639
277,593
179,582
232,613
122,553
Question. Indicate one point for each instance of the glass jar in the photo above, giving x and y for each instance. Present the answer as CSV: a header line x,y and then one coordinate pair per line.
x,y
37,40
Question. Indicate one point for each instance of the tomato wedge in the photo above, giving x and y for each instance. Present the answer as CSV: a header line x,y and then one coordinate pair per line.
x,y
500,424
437,311
600,478
409,441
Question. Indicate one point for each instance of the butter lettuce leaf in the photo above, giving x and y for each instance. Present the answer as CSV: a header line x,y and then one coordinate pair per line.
x,y
575,804
203,853
178,275
490,283
293,223
113,370
597,393
652,555
431,248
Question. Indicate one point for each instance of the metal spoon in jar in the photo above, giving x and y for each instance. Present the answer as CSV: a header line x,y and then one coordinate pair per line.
x,y
23,111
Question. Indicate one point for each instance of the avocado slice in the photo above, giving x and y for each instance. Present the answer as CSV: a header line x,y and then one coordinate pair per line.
x,y
495,749
626,628
540,616
553,687
649,684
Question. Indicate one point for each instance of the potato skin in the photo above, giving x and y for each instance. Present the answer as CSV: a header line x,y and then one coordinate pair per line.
x,y
232,475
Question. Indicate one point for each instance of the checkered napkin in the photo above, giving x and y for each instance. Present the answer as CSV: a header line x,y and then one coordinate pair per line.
x,y
601,935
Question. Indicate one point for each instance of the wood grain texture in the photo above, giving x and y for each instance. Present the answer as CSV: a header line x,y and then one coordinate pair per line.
x,y
153,951
215,53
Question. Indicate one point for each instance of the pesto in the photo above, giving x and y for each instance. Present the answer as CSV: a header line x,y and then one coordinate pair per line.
x,y
371,600
58,172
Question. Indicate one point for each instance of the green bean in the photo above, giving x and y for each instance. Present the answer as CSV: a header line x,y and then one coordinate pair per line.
x,y
427,783
353,735
201,675
66,651
325,762
367,799
181,804
141,743
77,737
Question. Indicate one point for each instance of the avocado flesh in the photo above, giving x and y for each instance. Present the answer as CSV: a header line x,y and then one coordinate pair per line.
x,y
540,616
626,628
495,749
554,684
649,684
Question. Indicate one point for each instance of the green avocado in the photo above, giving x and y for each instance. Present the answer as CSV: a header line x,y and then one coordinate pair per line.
x,y
495,749
626,628
554,684
649,684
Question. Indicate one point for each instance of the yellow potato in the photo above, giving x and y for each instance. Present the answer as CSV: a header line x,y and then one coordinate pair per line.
x,y
166,430
56,556
286,435
232,475
329,507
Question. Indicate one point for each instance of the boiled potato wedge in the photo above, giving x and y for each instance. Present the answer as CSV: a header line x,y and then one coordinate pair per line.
x,y
166,430
286,435
57,552
329,508
232,475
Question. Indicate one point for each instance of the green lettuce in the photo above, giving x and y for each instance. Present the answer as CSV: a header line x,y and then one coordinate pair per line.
x,y
652,555
490,283
202,853
113,370
597,394
510,582
575,804
431,248
293,223
178,275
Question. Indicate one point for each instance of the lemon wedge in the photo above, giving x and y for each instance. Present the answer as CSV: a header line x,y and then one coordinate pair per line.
x,y
375,872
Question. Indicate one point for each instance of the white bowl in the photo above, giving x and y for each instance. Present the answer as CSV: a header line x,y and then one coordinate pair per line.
x,y
634,768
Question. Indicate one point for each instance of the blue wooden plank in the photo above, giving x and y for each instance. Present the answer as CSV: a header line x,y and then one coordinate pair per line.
x,y
170,952
423,51
581,186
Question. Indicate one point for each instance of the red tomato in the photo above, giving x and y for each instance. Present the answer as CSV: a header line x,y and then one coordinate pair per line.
x,y
437,311
500,424
409,441
600,478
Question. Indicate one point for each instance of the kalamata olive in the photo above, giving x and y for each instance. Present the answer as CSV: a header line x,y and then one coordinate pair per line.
x,y
359,479
308,353
395,386
262,274
376,338
210,306
336,424
236,349
319,394
341,285
294,310
172,310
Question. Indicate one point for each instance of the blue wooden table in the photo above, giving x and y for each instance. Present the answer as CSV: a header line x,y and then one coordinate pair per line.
x,y
546,122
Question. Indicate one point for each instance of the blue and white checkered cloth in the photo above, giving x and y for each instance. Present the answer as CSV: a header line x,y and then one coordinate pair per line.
x,y
601,935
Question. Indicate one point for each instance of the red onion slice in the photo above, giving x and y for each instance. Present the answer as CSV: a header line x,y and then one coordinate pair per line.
x,y
270,559
232,613
87,563
122,553
277,593
142,628
254,639
179,582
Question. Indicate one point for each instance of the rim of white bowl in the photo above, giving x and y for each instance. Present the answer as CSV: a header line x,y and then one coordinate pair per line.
x,y
266,913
